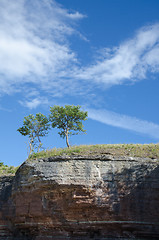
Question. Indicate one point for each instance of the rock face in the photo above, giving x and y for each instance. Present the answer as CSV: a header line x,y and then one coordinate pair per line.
x,y
81,197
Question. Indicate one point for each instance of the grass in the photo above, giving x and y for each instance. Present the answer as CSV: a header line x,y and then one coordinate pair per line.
x,y
133,150
6,170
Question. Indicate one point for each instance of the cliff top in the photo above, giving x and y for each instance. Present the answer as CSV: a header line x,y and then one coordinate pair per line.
x,y
131,150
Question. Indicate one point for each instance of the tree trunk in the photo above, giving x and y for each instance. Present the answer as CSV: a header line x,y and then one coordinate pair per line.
x,y
67,139
30,148
31,145
40,144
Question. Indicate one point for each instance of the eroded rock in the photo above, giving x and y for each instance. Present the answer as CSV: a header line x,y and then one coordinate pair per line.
x,y
82,197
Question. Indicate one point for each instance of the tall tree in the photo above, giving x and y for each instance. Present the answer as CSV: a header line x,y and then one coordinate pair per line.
x,y
68,119
35,127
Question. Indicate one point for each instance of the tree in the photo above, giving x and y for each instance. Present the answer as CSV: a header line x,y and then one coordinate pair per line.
x,y
35,127
68,119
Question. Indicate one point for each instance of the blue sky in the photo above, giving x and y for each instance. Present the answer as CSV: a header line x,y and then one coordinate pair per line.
x,y
102,55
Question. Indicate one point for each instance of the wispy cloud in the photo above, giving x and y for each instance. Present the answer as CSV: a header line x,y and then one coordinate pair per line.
x,y
35,52
125,122
33,44
127,62
34,102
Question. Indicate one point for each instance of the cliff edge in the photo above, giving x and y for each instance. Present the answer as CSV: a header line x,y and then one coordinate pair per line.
x,y
98,196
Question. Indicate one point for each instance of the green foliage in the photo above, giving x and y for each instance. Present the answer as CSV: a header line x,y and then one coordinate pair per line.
x,y
35,127
68,119
6,170
55,152
132,150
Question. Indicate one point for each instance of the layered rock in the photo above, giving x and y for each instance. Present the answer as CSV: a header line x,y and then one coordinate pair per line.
x,y
82,197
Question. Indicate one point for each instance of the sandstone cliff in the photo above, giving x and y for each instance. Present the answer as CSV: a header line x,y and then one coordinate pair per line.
x,y
81,197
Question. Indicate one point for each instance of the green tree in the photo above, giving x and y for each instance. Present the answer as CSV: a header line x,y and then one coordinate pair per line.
x,y
68,119
35,127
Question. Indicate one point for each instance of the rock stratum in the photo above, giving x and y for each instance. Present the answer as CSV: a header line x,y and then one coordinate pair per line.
x,y
81,197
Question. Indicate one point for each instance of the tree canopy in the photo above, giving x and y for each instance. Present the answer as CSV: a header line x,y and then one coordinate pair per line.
x,y
68,119
35,127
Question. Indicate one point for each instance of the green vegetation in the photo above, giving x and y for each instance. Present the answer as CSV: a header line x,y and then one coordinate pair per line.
x,y
6,170
132,150
35,127
68,119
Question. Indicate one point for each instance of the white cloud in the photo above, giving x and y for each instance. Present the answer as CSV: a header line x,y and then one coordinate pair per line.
x,y
35,50
35,102
125,122
131,60
33,43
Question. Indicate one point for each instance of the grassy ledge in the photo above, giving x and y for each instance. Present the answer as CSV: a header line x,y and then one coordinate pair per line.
x,y
6,170
131,150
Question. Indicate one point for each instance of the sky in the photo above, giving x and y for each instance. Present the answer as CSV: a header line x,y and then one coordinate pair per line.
x,y
102,55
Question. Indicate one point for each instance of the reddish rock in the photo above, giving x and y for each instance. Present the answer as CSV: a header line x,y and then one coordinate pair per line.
x,y
81,198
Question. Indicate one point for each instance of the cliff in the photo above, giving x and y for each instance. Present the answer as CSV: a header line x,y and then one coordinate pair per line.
x,y
81,197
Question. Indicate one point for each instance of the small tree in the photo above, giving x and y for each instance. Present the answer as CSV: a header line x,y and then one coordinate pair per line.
x,y
35,127
68,119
